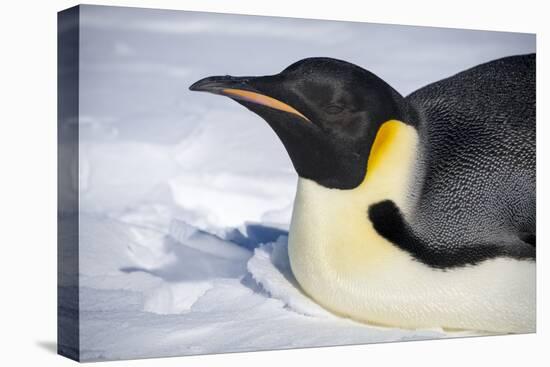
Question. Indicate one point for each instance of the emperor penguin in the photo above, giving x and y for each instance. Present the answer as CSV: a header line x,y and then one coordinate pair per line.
x,y
412,212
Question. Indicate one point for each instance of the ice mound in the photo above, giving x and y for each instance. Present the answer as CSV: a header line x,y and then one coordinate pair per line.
x,y
111,173
205,242
228,199
174,298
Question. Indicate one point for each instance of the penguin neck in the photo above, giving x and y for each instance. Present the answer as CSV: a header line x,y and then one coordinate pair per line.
x,y
390,168
390,165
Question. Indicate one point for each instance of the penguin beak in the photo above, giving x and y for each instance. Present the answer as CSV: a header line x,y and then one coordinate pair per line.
x,y
217,84
240,88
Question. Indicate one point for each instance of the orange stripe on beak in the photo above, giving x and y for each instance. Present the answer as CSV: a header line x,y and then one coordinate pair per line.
x,y
262,99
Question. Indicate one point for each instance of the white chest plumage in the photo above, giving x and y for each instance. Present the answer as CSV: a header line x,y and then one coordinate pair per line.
x,y
342,263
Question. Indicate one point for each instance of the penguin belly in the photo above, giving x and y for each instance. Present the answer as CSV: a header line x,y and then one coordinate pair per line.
x,y
341,262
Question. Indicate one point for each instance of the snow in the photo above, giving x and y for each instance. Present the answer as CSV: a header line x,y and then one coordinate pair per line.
x,y
153,285
178,291
186,198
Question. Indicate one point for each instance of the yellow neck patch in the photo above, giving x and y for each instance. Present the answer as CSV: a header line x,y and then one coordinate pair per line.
x,y
262,99
390,135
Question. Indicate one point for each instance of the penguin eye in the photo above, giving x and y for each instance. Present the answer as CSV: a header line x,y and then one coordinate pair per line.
x,y
333,109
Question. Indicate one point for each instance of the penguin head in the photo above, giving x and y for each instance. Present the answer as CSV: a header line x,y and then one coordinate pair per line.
x,y
326,112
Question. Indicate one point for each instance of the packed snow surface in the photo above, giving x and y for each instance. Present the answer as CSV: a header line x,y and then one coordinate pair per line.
x,y
166,288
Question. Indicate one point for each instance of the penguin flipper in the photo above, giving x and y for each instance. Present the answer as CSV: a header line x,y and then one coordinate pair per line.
x,y
389,222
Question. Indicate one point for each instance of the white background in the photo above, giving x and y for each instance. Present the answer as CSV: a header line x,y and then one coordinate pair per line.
x,y
28,188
